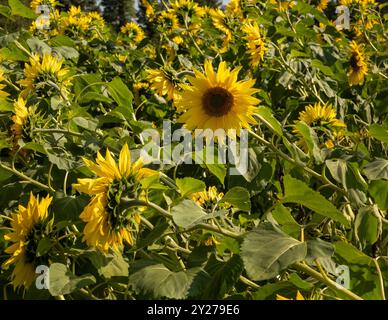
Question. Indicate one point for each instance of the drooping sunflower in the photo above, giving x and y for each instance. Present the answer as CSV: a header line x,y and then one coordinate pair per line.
x,y
133,31
43,71
233,8
19,119
255,43
217,100
162,81
150,12
358,67
28,228
108,224
324,118
218,18
3,94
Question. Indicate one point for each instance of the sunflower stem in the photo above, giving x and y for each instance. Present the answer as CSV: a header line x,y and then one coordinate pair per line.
x,y
330,283
76,134
300,165
28,179
381,279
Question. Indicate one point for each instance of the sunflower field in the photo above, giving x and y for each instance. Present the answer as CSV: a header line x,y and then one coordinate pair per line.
x,y
84,214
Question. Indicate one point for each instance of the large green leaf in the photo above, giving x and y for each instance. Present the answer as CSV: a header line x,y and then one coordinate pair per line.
x,y
377,169
239,198
311,139
379,191
367,227
19,9
187,214
189,185
378,132
265,115
283,217
318,249
158,281
69,208
297,191
63,281
108,265
267,250
224,276
120,93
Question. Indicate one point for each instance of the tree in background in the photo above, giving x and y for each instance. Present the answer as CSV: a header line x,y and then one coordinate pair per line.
x,y
117,12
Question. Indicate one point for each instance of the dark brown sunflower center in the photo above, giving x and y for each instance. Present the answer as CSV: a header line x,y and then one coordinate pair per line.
x,y
217,102
354,62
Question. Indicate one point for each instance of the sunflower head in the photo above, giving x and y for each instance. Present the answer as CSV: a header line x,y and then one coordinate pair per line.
x,y
29,225
168,20
217,100
109,221
163,81
207,198
255,43
75,21
22,119
44,75
358,68
133,31
324,119
187,8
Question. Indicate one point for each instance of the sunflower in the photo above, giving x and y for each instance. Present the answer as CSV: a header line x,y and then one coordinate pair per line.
x,y
189,8
322,5
320,115
76,20
29,227
217,100
42,71
149,9
133,31
324,117
20,119
283,5
255,43
108,225
189,15
3,94
358,67
162,82
299,296
208,197
233,8
168,20
36,3
218,18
